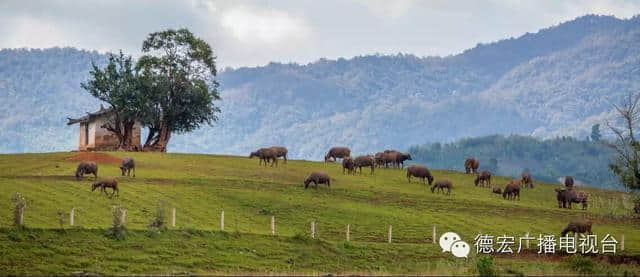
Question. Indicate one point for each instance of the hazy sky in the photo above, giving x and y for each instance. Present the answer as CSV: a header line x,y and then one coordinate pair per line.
x,y
248,33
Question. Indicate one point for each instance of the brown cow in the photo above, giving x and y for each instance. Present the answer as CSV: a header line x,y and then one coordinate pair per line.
x,y
348,164
420,172
387,157
512,190
266,155
317,177
400,158
87,168
568,181
337,153
441,185
483,179
471,165
567,196
526,180
361,161
281,151
379,157
577,227
106,183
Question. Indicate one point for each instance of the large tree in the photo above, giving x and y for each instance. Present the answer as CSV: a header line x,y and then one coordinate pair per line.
x,y
177,74
118,86
627,147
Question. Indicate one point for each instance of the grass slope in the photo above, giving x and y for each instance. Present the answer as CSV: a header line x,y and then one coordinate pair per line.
x,y
201,186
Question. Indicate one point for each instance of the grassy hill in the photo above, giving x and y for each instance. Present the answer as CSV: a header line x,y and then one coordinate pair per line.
x,y
201,186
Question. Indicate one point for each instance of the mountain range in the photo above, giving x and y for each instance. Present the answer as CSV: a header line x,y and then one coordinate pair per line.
x,y
558,81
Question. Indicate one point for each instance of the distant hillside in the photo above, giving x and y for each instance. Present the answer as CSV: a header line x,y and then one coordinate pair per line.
x,y
558,81
546,160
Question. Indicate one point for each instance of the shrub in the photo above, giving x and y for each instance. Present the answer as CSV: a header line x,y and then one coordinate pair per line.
x,y
159,220
485,267
581,264
61,218
636,206
19,204
117,230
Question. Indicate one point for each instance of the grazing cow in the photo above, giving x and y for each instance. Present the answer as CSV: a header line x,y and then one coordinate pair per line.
x,y
106,183
87,168
497,190
385,158
420,172
526,180
367,161
566,197
265,155
577,227
441,185
379,157
400,158
281,151
483,179
512,190
316,178
337,153
127,165
348,165
568,181
471,165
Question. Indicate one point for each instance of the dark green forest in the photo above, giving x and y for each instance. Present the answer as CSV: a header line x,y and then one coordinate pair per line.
x,y
546,160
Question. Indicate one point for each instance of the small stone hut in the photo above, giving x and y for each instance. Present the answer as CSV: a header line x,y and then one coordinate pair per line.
x,y
94,137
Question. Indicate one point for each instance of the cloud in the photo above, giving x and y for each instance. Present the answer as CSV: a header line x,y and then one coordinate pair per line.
x,y
256,27
250,33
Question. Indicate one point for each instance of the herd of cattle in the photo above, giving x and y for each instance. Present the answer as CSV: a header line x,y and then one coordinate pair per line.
x,y
396,159
387,158
127,165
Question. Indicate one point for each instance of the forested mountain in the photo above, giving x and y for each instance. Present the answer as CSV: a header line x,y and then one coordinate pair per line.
x,y
547,160
557,81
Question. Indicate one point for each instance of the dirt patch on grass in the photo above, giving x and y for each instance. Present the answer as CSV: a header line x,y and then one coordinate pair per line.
x,y
94,157
159,181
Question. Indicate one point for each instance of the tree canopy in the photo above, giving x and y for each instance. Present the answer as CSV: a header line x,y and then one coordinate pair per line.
x,y
177,73
117,85
171,89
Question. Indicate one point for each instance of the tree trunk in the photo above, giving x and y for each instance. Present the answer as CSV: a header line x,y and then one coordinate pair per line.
x,y
150,137
126,144
160,141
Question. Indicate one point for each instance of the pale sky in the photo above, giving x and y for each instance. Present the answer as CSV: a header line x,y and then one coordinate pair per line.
x,y
250,33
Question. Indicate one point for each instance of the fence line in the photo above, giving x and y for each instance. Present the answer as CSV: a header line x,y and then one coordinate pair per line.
x,y
313,226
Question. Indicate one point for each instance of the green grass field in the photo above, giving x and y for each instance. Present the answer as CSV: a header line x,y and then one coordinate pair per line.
x,y
201,186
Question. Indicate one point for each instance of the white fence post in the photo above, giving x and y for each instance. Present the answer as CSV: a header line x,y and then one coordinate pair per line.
x,y
389,235
173,217
348,231
527,241
222,221
273,225
622,243
434,233
313,229
71,216
123,216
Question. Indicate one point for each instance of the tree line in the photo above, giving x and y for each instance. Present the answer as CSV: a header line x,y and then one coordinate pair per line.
x,y
547,160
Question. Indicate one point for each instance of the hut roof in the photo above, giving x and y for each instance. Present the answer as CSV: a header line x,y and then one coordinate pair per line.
x,y
89,116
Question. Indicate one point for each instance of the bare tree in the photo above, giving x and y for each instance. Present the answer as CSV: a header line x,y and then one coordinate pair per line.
x,y
627,160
